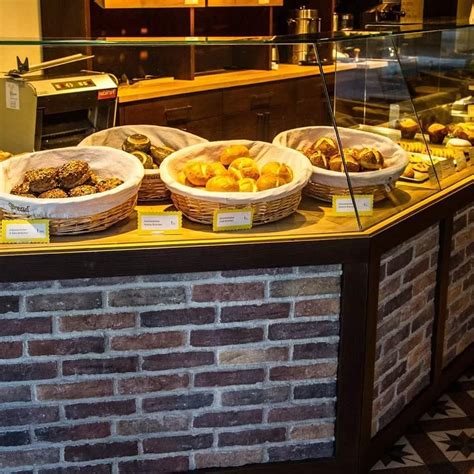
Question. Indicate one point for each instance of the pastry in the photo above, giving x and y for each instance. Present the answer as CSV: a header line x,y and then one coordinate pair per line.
x,y
247,185
159,153
183,180
437,132
27,195
408,128
244,168
420,167
107,184
56,193
318,159
222,184
136,142
370,159
464,131
83,190
72,174
326,145
232,152
22,188
352,164
218,169
409,171
458,142
269,181
199,172
4,155
145,159
42,179
281,170
93,179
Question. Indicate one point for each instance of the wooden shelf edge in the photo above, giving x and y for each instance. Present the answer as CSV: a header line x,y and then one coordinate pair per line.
x,y
115,4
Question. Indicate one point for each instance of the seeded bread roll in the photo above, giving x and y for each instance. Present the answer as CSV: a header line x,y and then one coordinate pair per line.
x,y
73,174
42,179
145,159
159,153
108,184
22,188
136,142
83,190
371,159
56,193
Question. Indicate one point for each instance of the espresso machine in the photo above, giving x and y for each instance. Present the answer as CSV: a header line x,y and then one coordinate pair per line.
x,y
303,21
385,12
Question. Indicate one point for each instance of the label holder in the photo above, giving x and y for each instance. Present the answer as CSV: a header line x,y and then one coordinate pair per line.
x,y
232,219
25,231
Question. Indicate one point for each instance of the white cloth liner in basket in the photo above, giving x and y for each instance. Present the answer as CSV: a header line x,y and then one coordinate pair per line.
x,y
396,159
159,136
261,152
104,161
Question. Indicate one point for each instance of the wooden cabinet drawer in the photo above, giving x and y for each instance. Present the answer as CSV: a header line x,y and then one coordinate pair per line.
x,y
209,128
309,88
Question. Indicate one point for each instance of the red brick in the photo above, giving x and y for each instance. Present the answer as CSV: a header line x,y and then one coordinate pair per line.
x,y
252,356
316,350
153,384
15,394
325,430
189,401
110,408
392,377
302,412
317,390
320,307
305,286
150,466
35,457
96,469
59,434
161,340
254,312
92,322
400,261
173,444
69,391
234,377
416,270
396,302
408,378
37,371
148,296
224,337
64,301
11,350
228,418
396,339
117,365
28,416
167,423
178,317
177,360
251,437
9,304
255,396
89,452
228,292
256,271
321,370
17,327
300,452
81,345
15,438
303,330
228,458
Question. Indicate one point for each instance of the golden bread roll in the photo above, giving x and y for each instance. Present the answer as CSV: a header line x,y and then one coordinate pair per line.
x,y
409,171
371,159
232,152
222,184
326,145
244,168
199,172
281,170
318,159
183,180
336,164
247,185
218,169
270,181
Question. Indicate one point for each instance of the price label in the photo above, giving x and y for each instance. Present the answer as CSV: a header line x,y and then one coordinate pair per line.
x,y
232,219
159,222
263,2
343,205
22,231
12,95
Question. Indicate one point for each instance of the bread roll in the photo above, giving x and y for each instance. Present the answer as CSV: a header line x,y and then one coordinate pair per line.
x,y
232,152
22,188
247,185
83,190
136,142
244,168
73,174
198,172
44,179
269,181
145,159
281,170
53,194
159,153
319,159
327,146
183,180
371,159
222,184
218,169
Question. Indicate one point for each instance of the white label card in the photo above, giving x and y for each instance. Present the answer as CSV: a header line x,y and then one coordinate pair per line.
x,y
343,205
12,95
159,222
24,231
232,219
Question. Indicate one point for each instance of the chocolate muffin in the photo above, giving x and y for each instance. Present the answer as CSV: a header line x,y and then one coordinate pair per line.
x,y
22,188
408,128
107,184
56,193
437,132
136,142
73,174
83,190
42,179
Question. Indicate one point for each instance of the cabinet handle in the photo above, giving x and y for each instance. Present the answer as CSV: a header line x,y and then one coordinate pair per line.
x,y
259,101
178,114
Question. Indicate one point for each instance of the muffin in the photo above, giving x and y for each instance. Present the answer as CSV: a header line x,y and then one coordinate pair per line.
x,y
232,152
107,184
222,184
145,159
136,142
83,190
371,159
281,170
42,179
244,168
22,188
56,193
437,132
73,174
269,181
408,128
247,185
159,153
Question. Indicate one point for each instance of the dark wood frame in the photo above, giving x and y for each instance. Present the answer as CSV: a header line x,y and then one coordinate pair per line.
x,y
360,255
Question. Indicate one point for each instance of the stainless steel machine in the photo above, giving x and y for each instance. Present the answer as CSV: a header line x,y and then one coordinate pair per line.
x,y
303,21
39,112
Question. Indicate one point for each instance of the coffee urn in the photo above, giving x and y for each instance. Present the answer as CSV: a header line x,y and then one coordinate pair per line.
x,y
303,21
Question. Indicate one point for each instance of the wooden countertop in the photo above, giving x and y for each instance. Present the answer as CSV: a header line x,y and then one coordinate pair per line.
x,y
168,86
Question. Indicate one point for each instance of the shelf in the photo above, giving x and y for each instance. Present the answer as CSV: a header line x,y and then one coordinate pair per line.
x,y
150,3
244,3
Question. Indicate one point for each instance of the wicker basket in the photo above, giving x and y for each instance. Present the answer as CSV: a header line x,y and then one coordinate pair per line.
x,y
199,205
324,184
70,216
152,187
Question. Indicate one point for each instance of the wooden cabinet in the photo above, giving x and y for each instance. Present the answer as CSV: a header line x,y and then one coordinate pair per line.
x,y
150,3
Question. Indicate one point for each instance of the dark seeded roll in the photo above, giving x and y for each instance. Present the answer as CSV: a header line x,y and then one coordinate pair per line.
x,y
53,194
27,195
73,174
145,159
20,189
136,142
108,184
42,179
83,190
159,153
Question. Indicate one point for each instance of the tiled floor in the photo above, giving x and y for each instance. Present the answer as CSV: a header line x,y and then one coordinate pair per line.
x,y
441,441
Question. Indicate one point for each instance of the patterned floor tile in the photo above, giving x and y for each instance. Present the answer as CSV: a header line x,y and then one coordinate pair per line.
x,y
456,445
401,455
443,408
